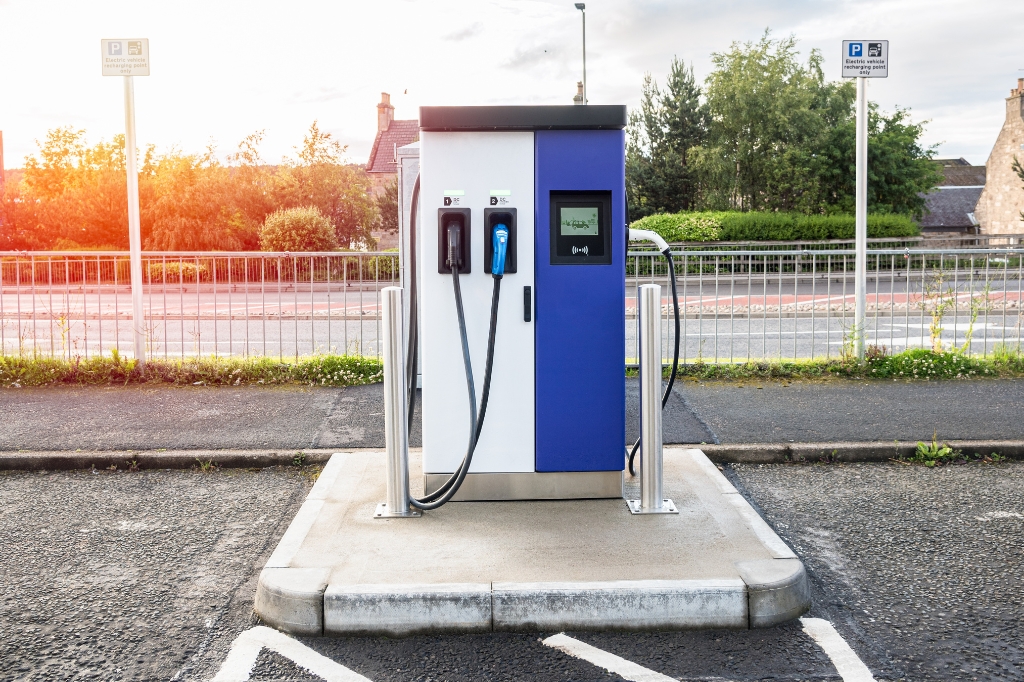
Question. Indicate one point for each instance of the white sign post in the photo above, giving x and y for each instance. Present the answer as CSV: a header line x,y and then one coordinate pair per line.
x,y
129,58
863,59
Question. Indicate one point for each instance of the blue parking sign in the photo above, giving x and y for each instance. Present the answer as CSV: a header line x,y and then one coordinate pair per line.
x,y
856,49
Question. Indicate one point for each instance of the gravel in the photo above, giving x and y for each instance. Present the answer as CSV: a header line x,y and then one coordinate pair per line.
x,y
151,575
920,569
118,575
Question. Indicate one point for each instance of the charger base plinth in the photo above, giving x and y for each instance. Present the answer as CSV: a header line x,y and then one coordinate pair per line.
x,y
540,565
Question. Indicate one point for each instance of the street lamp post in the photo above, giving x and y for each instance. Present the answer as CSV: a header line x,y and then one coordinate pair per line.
x,y
583,8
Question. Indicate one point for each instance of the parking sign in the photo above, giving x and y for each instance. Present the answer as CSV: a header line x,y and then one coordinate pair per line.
x,y
865,59
125,56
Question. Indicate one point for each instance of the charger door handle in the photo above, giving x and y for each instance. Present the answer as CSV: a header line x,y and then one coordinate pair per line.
x,y
527,304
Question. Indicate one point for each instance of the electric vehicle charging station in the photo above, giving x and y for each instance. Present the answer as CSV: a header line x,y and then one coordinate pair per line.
x,y
514,283
555,176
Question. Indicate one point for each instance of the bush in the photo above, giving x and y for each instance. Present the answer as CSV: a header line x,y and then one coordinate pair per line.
x,y
770,226
176,271
684,227
297,229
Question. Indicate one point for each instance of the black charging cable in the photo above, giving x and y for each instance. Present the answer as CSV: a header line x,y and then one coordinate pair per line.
x,y
675,353
448,489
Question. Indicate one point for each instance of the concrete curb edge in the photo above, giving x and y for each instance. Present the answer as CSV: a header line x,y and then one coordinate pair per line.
x,y
740,453
846,451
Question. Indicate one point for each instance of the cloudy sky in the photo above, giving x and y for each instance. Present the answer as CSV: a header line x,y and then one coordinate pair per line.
x,y
222,69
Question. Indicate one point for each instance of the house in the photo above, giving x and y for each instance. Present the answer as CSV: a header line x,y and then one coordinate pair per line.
x,y
391,134
950,208
1001,202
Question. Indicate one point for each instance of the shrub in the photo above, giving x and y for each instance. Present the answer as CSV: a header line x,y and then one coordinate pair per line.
x,y
684,227
178,271
770,226
297,229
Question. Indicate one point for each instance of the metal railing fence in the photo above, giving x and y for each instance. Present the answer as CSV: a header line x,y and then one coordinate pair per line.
x,y
737,305
78,304
740,306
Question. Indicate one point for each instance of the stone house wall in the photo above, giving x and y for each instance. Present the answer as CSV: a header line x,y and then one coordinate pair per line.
x,y
1002,200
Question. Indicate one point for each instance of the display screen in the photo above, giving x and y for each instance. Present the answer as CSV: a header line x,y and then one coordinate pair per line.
x,y
580,228
578,221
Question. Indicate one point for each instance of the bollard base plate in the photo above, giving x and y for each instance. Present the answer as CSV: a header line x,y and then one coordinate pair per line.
x,y
667,507
382,512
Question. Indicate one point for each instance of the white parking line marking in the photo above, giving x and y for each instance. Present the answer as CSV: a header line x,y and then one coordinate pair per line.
x,y
247,646
602,659
845,659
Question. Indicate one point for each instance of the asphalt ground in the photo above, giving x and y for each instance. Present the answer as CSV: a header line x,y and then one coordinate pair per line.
x,y
255,418
150,576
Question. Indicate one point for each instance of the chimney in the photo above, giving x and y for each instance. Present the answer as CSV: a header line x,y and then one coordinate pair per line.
x,y
1020,88
578,99
385,112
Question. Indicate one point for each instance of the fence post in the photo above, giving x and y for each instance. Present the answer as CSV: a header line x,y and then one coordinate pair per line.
x,y
651,499
396,438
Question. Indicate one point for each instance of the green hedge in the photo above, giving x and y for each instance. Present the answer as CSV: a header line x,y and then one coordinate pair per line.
x,y
734,226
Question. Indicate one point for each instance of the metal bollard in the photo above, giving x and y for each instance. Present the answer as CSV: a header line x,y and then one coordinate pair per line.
x,y
396,438
651,499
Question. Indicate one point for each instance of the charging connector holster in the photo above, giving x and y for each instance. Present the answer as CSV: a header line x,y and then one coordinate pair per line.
x,y
500,216
445,217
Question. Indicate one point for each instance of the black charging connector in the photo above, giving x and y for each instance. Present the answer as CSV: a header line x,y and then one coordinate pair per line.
x,y
447,217
506,217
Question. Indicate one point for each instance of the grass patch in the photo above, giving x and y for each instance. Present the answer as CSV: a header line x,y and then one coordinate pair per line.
x,y
914,364
320,370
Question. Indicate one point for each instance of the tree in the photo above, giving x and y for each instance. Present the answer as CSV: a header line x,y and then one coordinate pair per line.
x,y
782,138
188,203
770,119
341,192
74,193
660,135
297,229
387,208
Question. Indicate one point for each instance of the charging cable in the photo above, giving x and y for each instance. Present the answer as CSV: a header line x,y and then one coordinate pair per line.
x,y
666,250
499,235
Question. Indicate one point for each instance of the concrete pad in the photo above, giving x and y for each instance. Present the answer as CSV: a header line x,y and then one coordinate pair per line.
x,y
537,565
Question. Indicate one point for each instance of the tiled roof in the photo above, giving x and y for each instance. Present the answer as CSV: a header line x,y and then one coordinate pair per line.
x,y
962,176
947,207
382,156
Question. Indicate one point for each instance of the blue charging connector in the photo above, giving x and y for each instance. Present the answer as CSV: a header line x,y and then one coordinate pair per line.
x,y
500,240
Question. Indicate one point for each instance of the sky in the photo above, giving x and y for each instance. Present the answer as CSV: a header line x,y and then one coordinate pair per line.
x,y
222,69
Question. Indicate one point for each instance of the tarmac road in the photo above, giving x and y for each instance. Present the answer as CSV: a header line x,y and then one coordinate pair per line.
x,y
150,576
246,417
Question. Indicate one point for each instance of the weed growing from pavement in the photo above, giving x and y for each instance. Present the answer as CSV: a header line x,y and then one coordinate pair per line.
x,y
18,371
935,453
299,459
207,466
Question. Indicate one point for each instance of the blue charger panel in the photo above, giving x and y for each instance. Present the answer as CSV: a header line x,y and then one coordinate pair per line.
x,y
580,308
